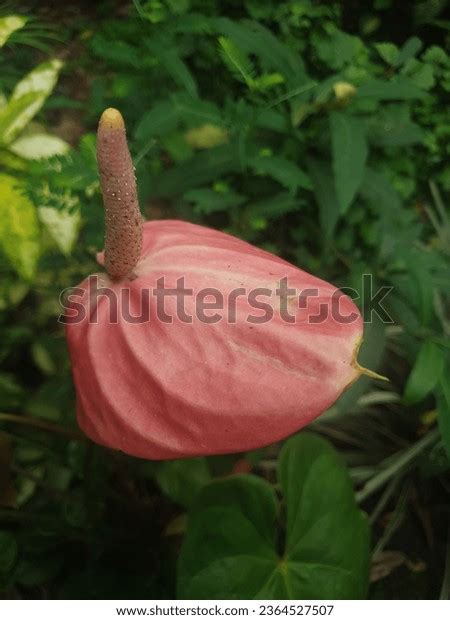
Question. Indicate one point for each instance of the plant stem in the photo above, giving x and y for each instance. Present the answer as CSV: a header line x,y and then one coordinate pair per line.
x,y
397,464
42,425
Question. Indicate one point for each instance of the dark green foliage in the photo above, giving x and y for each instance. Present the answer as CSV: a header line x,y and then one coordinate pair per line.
x,y
316,130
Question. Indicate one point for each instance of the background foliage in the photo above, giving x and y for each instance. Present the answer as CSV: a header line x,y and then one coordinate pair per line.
x,y
316,130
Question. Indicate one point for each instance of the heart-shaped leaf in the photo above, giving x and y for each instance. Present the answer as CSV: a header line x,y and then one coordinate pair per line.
x,y
230,550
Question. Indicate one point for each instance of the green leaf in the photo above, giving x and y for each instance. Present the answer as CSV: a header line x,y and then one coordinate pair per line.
x,y
237,61
444,410
27,99
11,393
8,558
253,38
267,80
39,146
229,551
63,226
272,207
10,24
236,559
349,156
282,170
160,119
425,373
401,89
327,540
321,176
336,48
19,228
388,52
205,167
209,201
410,48
175,67
182,479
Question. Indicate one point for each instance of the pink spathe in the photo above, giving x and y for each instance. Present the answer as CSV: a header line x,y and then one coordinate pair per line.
x,y
163,390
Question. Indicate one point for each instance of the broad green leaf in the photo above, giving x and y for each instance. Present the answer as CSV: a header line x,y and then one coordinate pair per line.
x,y
230,550
321,176
327,540
10,24
63,225
425,373
349,148
392,126
182,479
39,146
282,170
19,228
27,99
336,48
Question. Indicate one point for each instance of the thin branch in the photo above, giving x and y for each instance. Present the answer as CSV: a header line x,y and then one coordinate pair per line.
x,y
42,425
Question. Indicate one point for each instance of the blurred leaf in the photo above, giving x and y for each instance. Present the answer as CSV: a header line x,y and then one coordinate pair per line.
x,y
388,52
349,156
19,228
7,489
272,207
425,373
444,411
282,170
209,201
8,558
182,479
161,118
409,49
202,168
237,61
325,193
39,146
326,550
254,38
11,393
336,48
401,89
206,136
63,226
393,127
176,68
27,99
8,25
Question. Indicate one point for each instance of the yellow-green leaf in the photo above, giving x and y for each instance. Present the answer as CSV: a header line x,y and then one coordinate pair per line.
x,y
62,225
10,24
19,227
27,99
39,146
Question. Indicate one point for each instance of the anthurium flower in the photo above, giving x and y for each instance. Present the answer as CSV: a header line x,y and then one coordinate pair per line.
x,y
195,342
